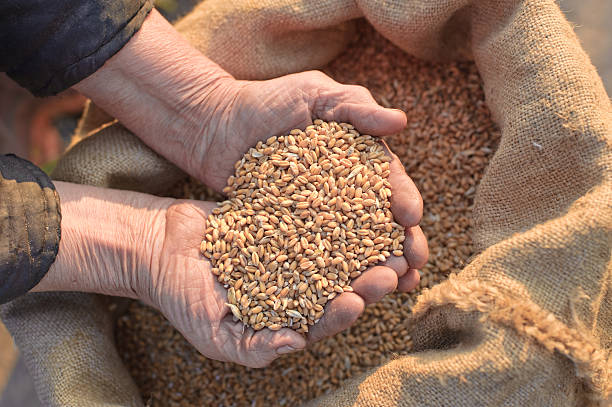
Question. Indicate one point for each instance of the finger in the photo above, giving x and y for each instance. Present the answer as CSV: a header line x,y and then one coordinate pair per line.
x,y
416,250
368,118
340,313
354,104
272,344
406,201
397,263
375,283
409,281
259,348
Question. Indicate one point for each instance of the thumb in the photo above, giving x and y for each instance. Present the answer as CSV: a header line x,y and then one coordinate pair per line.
x,y
331,101
289,341
267,345
368,118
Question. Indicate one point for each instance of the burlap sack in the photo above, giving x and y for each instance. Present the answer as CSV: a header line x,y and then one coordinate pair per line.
x,y
529,321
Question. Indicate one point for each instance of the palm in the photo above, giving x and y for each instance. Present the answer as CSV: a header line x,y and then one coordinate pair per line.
x,y
186,291
248,123
258,110
193,301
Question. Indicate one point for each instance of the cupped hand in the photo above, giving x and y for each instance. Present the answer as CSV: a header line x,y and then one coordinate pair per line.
x,y
184,288
250,111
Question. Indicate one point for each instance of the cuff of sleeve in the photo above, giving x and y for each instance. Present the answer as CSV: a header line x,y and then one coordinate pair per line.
x,y
30,222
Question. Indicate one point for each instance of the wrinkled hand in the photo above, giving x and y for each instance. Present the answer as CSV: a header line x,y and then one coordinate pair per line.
x,y
184,288
249,111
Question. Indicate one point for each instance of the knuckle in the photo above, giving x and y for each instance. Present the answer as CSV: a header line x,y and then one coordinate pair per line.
x,y
421,260
424,256
413,210
360,91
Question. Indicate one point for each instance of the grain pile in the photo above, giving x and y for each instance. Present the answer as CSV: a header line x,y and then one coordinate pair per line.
x,y
306,213
445,149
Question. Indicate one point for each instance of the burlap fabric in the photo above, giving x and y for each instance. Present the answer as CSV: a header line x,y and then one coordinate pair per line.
x,y
529,321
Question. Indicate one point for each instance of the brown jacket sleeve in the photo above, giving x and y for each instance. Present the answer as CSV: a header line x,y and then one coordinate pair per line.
x,y
29,226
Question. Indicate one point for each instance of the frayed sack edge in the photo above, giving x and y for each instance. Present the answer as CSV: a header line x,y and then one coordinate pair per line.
x,y
593,364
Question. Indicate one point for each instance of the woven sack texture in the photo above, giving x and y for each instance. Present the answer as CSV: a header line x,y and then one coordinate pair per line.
x,y
529,321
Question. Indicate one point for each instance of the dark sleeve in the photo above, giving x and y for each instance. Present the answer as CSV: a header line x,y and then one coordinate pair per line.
x,y
29,226
48,46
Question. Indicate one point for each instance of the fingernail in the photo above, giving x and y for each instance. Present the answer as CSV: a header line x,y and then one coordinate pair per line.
x,y
285,349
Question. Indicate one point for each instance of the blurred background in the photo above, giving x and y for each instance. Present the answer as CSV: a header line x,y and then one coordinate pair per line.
x,y
39,129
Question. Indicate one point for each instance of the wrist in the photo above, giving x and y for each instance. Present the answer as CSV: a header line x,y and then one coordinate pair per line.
x,y
163,90
109,241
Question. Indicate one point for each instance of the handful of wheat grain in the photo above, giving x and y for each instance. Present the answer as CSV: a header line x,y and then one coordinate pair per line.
x,y
306,213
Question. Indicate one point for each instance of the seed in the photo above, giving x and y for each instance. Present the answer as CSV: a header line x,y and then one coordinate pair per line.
x,y
235,311
231,295
245,301
305,265
294,314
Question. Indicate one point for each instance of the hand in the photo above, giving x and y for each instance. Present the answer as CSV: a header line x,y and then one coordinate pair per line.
x,y
249,111
184,288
